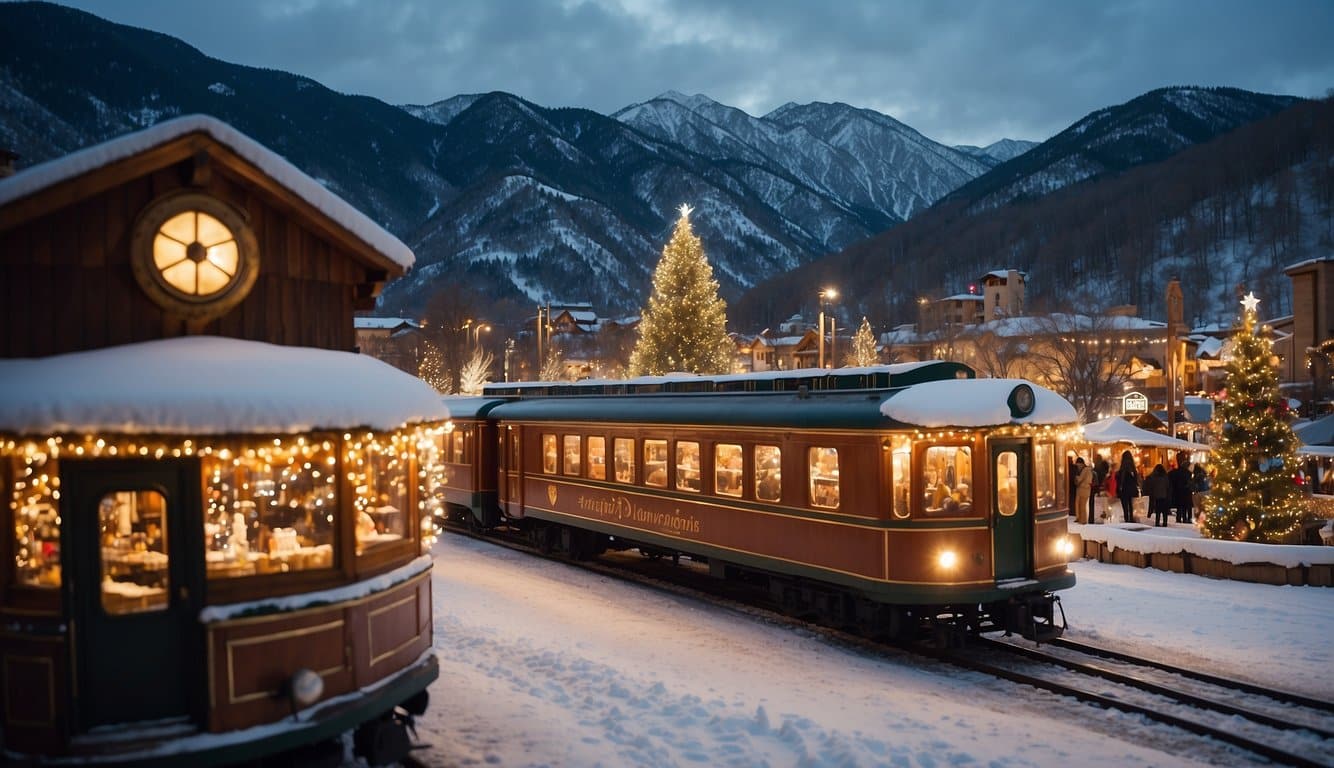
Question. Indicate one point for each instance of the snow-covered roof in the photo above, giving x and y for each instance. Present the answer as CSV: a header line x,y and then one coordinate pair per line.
x,y
964,297
197,385
1115,429
1005,273
381,323
1209,348
1318,432
43,175
973,403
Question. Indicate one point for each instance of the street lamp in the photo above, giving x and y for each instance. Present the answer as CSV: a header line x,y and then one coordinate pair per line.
x,y
826,295
477,333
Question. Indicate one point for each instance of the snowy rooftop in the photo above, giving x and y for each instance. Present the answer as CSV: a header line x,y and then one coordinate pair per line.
x,y
209,385
381,323
43,175
974,403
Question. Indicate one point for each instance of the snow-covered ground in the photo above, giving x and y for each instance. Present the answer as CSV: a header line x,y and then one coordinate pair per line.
x,y
545,665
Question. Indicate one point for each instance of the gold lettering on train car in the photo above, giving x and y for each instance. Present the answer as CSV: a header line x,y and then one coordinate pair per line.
x,y
623,509
551,493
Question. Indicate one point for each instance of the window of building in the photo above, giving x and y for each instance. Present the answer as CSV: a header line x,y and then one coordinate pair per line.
x,y
36,508
655,463
271,509
768,473
948,480
549,454
597,458
571,453
823,473
727,469
133,528
900,448
623,449
687,465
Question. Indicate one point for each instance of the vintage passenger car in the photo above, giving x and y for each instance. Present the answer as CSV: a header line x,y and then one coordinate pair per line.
x,y
211,547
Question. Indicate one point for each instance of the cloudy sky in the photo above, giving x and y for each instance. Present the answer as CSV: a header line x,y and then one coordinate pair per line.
x,y
959,71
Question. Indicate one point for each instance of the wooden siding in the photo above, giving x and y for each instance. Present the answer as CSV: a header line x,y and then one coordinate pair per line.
x,y
66,283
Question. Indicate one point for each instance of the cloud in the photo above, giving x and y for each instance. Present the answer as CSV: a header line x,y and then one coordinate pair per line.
x,y
959,71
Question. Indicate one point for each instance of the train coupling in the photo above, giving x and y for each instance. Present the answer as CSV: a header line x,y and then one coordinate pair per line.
x,y
1034,616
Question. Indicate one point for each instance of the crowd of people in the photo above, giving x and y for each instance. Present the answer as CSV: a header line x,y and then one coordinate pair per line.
x,y
1179,491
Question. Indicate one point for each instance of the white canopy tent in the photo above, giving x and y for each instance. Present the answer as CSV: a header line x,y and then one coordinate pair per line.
x,y
1114,429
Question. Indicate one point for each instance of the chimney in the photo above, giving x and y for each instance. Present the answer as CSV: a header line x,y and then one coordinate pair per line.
x,y
7,159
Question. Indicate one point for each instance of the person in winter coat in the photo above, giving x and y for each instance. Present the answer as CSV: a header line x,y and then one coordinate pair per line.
x,y
1199,486
1159,490
1083,487
1127,485
1179,478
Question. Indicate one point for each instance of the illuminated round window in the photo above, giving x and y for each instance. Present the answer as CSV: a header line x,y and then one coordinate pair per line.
x,y
194,255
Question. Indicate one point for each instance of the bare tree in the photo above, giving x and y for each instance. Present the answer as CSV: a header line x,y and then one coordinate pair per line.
x,y
445,325
476,372
998,355
1084,358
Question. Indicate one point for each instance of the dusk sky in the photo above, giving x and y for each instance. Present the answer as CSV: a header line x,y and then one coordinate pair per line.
x,y
959,71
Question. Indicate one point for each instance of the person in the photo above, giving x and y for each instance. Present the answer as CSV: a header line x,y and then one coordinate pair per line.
x,y
1070,478
1083,487
1127,485
1181,501
1159,490
1199,486
1100,472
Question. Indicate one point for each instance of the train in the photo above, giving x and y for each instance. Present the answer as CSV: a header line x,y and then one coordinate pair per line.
x,y
902,499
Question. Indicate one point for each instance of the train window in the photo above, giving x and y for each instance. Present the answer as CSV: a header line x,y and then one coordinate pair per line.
x,y
655,463
597,458
948,480
381,516
133,527
36,508
768,473
1007,483
900,448
623,449
571,453
687,465
269,509
456,444
1044,474
549,454
727,469
823,474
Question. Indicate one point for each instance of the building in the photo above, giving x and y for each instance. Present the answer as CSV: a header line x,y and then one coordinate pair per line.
x,y
395,340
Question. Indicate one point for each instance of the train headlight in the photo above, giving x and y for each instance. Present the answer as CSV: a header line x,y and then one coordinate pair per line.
x,y
306,687
1066,547
947,559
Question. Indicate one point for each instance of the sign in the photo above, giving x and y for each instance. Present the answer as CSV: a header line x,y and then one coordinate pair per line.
x,y
1134,402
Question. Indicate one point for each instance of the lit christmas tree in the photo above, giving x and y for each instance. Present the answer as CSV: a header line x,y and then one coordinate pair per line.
x,y
432,369
863,346
685,325
1256,495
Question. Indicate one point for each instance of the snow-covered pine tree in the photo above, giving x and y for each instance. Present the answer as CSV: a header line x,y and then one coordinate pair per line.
x,y
684,327
1255,496
864,346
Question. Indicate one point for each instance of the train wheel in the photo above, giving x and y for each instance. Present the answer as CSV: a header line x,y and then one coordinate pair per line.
x,y
382,742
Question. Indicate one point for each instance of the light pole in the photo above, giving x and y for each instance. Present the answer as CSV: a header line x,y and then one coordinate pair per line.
x,y
477,333
826,295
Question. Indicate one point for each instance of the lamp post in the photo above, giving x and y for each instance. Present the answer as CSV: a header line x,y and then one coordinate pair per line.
x,y
477,333
826,295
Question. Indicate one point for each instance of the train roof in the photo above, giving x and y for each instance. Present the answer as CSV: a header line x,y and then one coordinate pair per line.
x,y
811,379
470,406
966,403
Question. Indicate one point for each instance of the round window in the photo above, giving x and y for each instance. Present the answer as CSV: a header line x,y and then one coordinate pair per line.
x,y
194,255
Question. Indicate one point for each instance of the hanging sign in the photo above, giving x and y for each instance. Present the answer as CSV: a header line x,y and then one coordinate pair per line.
x,y
1134,402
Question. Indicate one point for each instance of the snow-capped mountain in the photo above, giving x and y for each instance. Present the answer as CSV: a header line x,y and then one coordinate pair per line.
x,y
998,152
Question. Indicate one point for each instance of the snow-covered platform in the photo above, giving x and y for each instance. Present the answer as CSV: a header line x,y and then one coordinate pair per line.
x,y
1179,548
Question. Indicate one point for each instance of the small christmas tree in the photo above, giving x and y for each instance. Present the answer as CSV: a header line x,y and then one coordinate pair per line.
x,y
432,369
685,325
1255,496
863,346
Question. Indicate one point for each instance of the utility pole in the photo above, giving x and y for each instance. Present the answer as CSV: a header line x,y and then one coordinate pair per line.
x,y
1171,359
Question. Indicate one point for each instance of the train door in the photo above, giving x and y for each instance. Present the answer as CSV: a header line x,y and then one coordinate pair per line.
x,y
511,482
133,568
1012,508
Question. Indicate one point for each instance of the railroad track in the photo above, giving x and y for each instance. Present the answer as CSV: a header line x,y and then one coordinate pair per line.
x,y
1279,726
1283,727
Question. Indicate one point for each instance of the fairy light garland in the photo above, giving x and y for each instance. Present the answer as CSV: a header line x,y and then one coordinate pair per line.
x,y
262,470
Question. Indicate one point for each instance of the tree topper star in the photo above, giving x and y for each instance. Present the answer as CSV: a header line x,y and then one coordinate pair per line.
x,y
685,210
1250,302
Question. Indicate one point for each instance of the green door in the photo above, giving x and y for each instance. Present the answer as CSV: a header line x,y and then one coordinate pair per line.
x,y
1012,508
133,568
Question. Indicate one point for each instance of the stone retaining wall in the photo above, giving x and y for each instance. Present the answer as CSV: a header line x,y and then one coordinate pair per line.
x,y
1185,562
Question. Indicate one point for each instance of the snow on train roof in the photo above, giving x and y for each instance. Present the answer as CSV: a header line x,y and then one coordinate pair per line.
x,y
973,403
277,167
209,385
